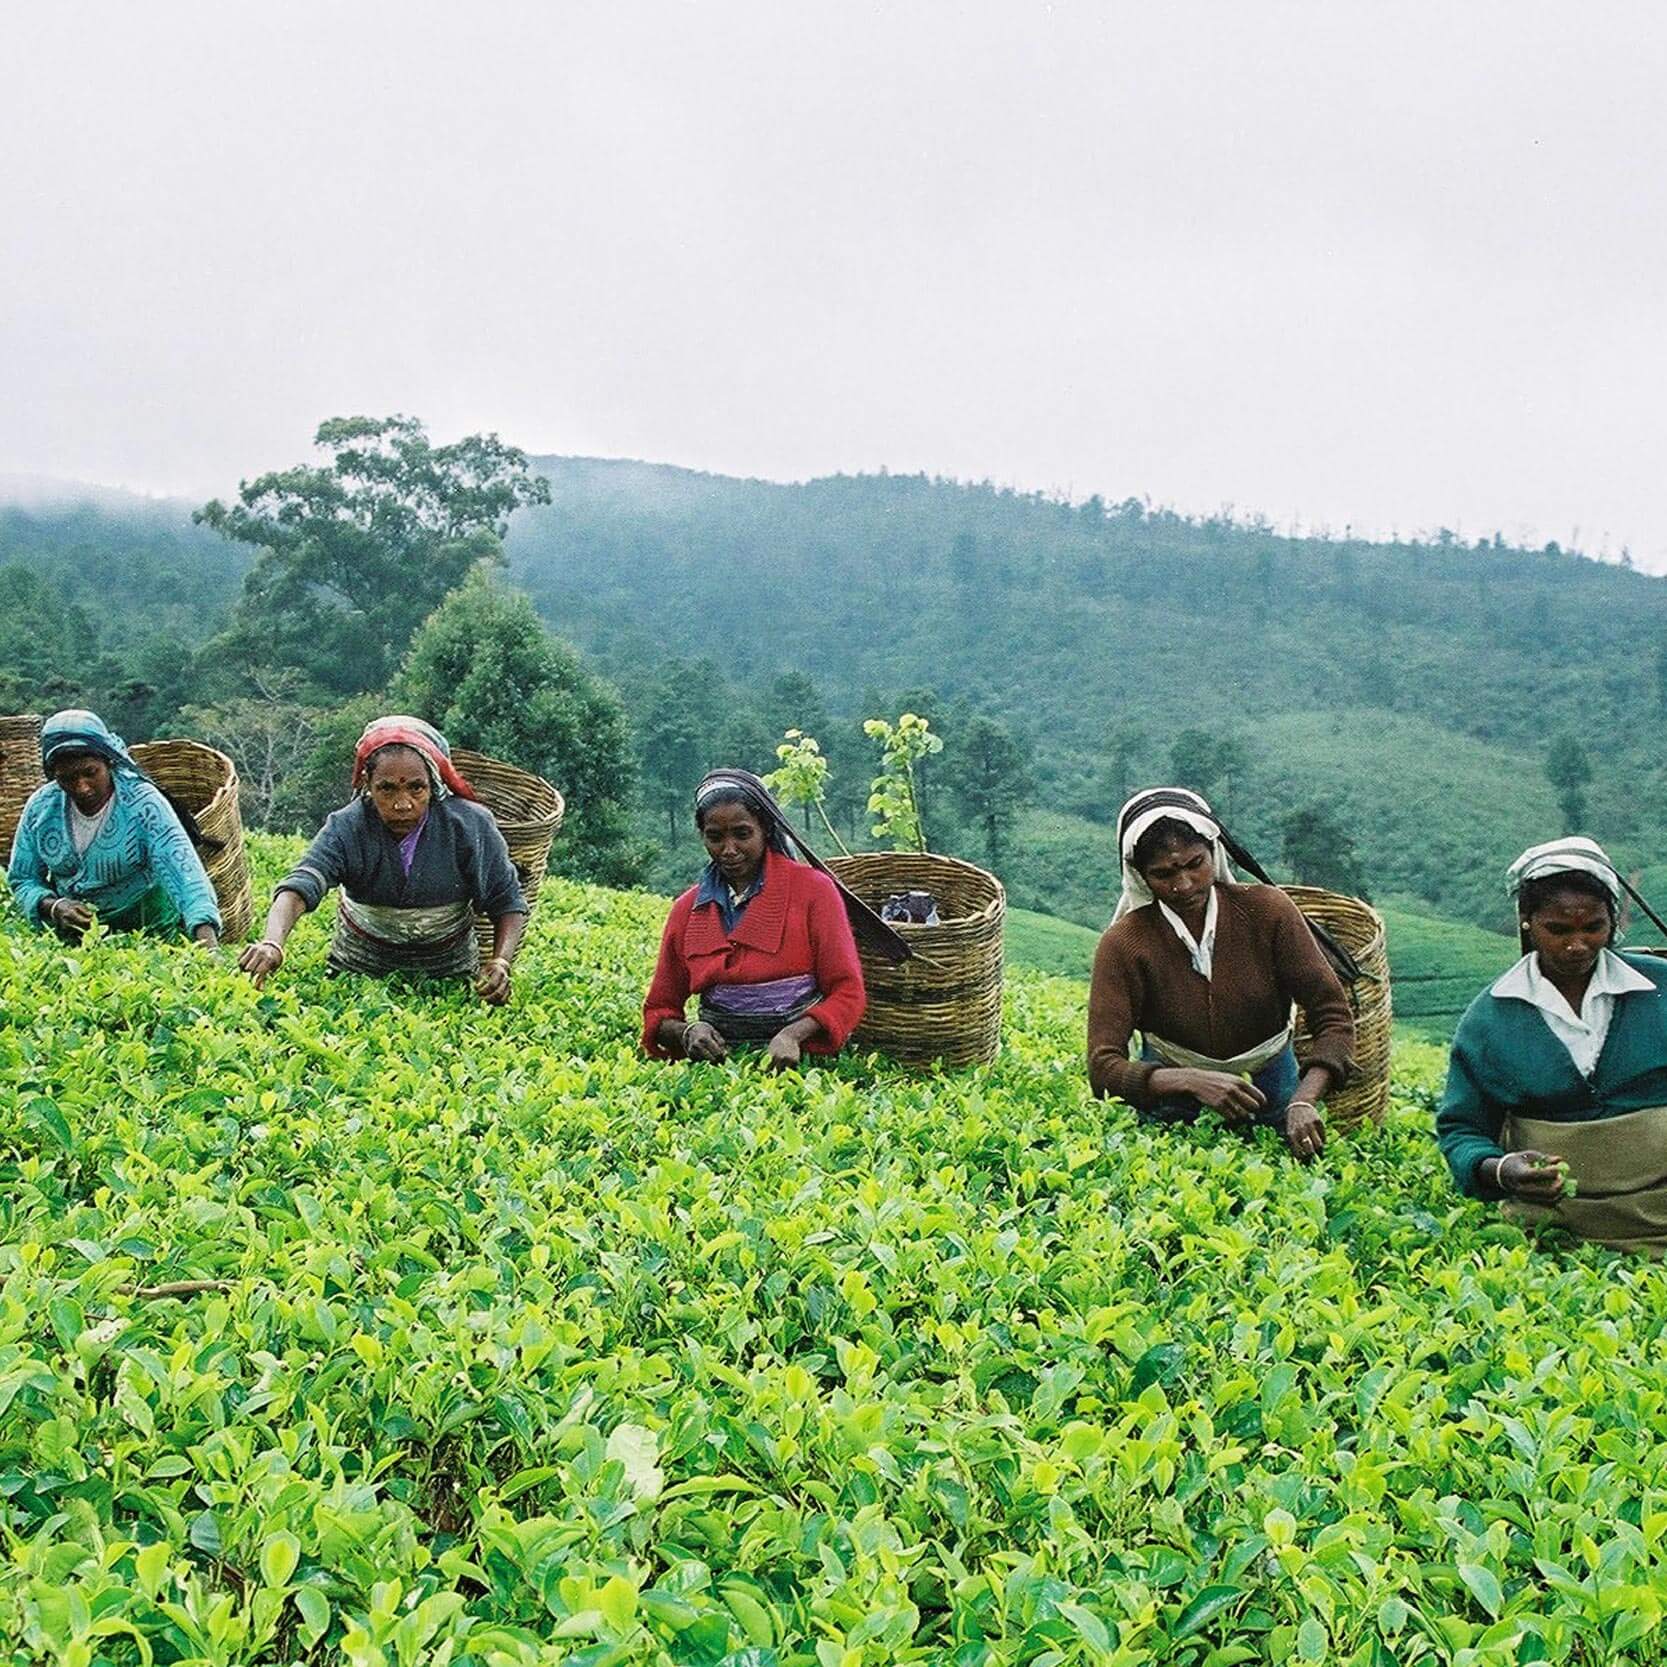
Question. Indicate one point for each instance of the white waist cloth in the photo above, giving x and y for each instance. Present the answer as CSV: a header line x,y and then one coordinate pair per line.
x,y
408,926
1247,1063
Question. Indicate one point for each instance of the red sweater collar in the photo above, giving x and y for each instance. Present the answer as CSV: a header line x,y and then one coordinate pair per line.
x,y
761,927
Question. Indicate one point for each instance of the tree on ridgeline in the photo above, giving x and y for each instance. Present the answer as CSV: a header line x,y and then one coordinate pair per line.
x,y
671,742
1320,851
988,777
1209,764
47,645
486,673
1125,747
355,554
1569,771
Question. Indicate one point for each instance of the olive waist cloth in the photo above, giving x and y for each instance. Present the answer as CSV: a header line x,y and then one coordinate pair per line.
x,y
1619,1166
430,943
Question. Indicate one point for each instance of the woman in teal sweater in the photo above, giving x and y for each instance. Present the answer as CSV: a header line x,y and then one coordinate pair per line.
x,y
1556,1098
100,838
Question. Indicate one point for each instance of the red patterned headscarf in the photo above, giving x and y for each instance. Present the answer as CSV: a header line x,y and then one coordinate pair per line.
x,y
400,730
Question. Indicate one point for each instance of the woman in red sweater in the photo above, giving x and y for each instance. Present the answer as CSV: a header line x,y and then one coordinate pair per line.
x,y
764,941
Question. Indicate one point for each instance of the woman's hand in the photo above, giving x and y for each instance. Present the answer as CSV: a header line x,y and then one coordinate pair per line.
x,y
702,1041
1304,1130
261,960
1236,1099
493,984
1536,1177
784,1051
68,918
205,937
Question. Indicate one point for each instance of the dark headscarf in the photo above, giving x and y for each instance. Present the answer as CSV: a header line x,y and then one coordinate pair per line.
x,y
780,834
725,787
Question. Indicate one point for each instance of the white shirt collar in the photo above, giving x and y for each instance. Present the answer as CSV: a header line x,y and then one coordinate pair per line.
x,y
1585,1033
1525,982
1202,949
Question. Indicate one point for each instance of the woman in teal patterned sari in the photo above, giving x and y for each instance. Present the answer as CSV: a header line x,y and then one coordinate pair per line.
x,y
100,840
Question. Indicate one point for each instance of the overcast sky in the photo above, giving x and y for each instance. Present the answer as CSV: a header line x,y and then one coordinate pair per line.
x,y
1357,262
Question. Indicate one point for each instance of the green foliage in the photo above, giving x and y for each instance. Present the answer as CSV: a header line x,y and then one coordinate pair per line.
x,y
270,734
989,781
1068,623
801,778
136,568
1320,851
354,554
533,1351
487,673
1209,764
42,636
1079,626
1569,771
893,799
322,779
1438,967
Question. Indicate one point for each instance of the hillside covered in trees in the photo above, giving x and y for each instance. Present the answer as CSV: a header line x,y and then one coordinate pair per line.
x,y
1414,689
1403,716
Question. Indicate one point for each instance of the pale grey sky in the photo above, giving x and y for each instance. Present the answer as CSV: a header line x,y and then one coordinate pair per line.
x,y
1399,265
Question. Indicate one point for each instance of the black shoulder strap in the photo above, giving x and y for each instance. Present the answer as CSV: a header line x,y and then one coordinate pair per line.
x,y
1342,962
193,830
1638,897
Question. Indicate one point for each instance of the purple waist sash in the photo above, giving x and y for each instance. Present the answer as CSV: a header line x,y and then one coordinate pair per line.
x,y
776,995
755,1012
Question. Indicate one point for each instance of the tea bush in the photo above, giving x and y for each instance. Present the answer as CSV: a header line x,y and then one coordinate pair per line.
x,y
531,1350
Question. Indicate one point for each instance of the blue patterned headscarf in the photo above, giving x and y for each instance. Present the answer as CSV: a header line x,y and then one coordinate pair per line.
x,y
76,731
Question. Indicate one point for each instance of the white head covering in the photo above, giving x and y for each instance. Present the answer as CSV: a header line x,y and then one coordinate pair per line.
x,y
1573,855
1153,804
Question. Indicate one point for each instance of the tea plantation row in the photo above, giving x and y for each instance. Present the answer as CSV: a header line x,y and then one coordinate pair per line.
x,y
530,1350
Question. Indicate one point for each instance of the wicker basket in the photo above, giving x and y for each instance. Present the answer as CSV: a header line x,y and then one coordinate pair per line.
x,y
20,773
204,781
943,1005
1359,929
528,811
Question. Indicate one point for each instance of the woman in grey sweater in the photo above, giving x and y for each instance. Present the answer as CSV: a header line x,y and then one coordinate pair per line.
x,y
415,857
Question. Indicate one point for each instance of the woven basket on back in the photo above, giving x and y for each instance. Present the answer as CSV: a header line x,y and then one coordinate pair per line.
x,y
20,773
528,811
1359,928
204,781
944,1003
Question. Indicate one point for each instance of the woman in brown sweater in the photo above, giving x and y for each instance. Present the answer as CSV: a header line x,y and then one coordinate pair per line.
x,y
1207,970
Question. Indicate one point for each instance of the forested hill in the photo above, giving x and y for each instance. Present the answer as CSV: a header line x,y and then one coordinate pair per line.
x,y
1071,619
1412,688
1416,686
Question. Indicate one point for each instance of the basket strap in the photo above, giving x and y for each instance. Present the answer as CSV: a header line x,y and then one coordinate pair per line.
x,y
1342,962
1638,897
193,829
866,926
